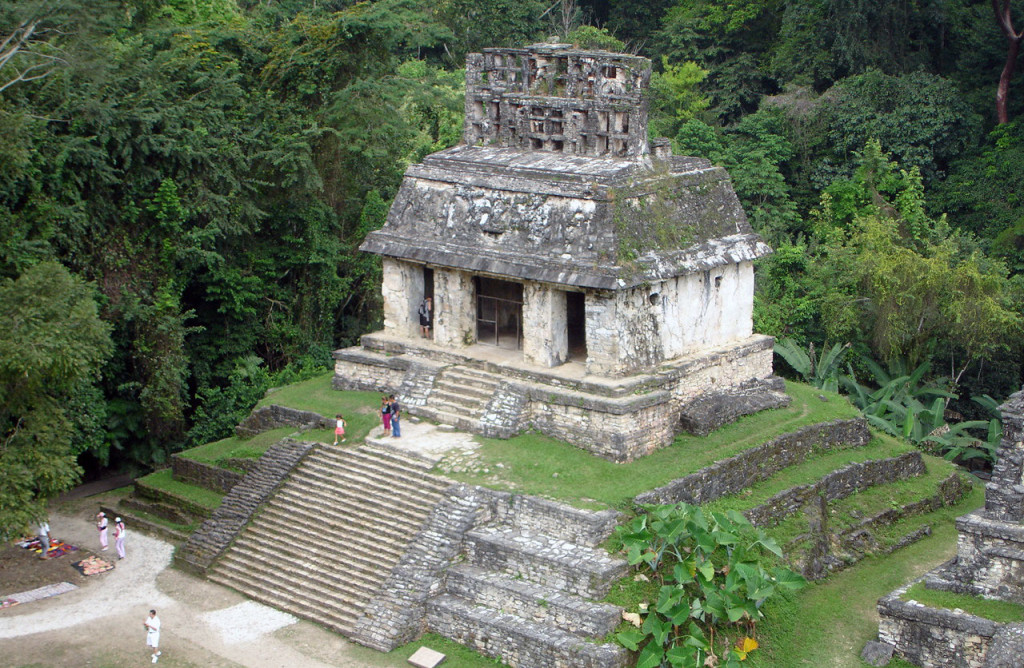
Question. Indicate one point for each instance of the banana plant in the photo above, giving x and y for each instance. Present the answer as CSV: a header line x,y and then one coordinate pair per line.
x,y
820,371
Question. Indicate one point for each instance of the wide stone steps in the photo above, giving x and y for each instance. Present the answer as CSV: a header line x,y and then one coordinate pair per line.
x,y
397,460
340,618
517,641
350,513
460,396
400,495
325,543
302,574
545,560
367,533
410,471
533,602
305,550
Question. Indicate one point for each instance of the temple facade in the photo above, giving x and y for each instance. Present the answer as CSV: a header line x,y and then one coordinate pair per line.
x,y
584,281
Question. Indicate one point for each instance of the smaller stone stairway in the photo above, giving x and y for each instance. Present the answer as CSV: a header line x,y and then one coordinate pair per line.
x,y
460,396
526,596
324,544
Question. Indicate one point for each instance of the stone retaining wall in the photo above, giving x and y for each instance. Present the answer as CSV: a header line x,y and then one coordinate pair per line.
x,y
142,525
840,484
737,473
273,416
530,601
239,505
204,475
934,636
532,513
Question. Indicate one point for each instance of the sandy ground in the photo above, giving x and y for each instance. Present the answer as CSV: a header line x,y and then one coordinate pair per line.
x,y
100,624
204,624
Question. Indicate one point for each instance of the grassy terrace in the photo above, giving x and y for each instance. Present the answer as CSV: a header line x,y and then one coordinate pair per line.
x,y
360,409
162,480
998,611
536,464
828,623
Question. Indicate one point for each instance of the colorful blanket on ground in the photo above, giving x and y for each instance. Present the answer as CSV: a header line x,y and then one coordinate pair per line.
x,y
36,594
92,566
58,548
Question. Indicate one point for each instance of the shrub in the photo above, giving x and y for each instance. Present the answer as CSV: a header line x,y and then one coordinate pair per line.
x,y
713,576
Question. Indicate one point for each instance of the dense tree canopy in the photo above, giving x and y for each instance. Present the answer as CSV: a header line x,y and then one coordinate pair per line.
x,y
211,166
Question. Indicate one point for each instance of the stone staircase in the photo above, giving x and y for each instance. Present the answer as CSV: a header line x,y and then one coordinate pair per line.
x,y
460,396
526,596
326,542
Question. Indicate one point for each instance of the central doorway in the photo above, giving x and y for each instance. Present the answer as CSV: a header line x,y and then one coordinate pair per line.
x,y
499,313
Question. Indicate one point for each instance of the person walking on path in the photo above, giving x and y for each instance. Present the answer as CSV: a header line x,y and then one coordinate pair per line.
x,y
152,624
101,524
119,537
396,412
426,314
44,538
385,414
339,429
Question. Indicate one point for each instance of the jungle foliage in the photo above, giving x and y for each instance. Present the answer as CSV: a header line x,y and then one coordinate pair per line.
x,y
209,168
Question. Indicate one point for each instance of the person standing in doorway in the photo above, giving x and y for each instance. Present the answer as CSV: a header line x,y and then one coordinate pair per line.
x,y
385,414
119,537
396,422
44,538
339,429
152,624
426,313
101,525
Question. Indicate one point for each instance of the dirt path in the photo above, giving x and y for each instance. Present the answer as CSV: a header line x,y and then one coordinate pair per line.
x,y
100,624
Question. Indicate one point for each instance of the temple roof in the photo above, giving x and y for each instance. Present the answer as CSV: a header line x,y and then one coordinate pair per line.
x,y
583,221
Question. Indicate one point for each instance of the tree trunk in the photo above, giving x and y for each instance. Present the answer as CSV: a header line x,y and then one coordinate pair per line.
x,y
1005,21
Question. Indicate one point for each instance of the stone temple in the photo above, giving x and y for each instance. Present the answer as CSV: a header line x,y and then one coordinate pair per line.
x,y
586,283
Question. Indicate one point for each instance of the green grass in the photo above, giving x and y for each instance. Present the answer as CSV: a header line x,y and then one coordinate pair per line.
x,y
241,448
828,623
538,465
199,495
844,513
998,611
360,409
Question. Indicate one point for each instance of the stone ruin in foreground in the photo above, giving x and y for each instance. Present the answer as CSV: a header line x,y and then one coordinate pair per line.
x,y
989,563
586,284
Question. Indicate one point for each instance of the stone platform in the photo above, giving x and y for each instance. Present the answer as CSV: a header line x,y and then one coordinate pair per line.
x,y
491,391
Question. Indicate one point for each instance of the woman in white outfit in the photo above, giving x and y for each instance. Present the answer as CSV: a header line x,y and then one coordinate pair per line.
x,y
101,524
119,537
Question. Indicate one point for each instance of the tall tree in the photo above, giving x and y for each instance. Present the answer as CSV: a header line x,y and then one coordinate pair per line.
x,y
1004,20
52,342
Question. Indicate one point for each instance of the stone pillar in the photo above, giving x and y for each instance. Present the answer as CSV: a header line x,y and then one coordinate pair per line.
x,y
1004,494
602,333
545,330
454,308
402,289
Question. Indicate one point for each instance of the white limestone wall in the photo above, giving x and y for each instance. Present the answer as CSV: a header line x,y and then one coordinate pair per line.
x,y
454,308
545,331
402,289
650,324
706,309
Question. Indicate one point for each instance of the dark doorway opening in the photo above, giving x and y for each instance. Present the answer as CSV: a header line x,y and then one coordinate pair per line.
x,y
576,324
499,313
428,283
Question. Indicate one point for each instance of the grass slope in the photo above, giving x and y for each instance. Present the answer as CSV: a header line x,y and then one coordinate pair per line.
x,y
828,623
538,465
